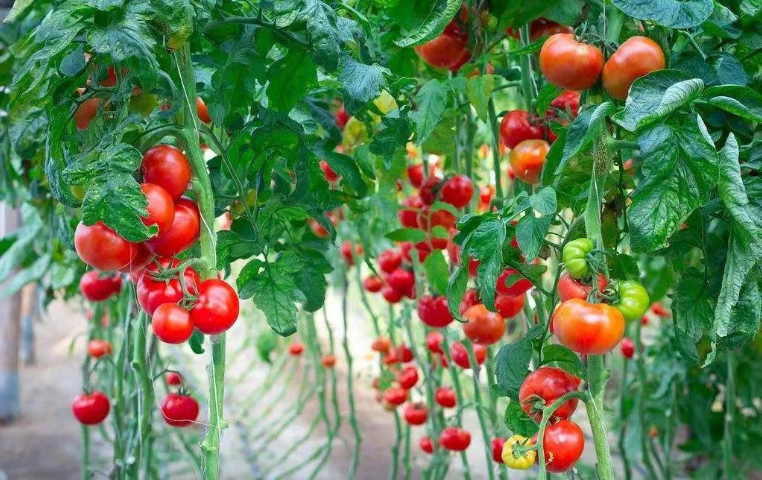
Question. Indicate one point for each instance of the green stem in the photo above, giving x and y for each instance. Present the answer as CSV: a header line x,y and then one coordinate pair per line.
x,y
495,129
547,414
641,401
527,85
623,419
396,446
452,368
730,402
85,453
597,378
350,381
143,380
479,413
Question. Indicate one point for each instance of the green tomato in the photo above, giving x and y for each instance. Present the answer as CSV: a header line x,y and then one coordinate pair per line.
x,y
575,257
633,300
142,102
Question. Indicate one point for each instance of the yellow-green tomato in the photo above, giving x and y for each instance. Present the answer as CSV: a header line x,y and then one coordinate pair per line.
x,y
575,257
514,455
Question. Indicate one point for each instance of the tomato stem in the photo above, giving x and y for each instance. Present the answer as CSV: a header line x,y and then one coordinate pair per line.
x,y
452,368
597,378
547,414
495,129
350,379
479,413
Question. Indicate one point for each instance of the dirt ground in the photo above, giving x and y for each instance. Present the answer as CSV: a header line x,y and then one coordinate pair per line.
x,y
45,443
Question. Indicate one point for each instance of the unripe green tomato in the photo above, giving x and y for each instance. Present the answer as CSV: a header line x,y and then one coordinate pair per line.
x,y
78,191
575,257
142,102
633,300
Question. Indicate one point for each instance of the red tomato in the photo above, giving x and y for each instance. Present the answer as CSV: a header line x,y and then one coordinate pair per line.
x,y
140,259
390,294
497,449
161,208
527,160
429,190
509,307
97,348
628,347
330,175
202,110
416,413
486,194
296,348
97,288
342,117
518,125
86,112
415,175
179,410
173,379
448,50
171,323
563,443
518,288
426,444
346,252
459,354
216,308
455,439
183,232
167,167
543,387
152,291
404,353
636,57
457,191
373,284
407,377
381,345
408,214
470,299
328,360
317,229
401,280
92,408
389,260
434,341
544,28
482,326
102,248
428,219
569,288
395,396
570,64
433,311
660,310
593,329
445,397
568,101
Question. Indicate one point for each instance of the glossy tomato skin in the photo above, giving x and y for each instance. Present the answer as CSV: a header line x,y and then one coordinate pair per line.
x,y
482,326
373,284
628,347
395,396
527,160
455,439
97,288
517,126
173,378
171,323
569,287
408,214
140,259
457,190
519,287
415,175
470,299
216,308
497,449
509,306
592,329
92,408
183,232
295,349
544,386
563,443
179,410
401,280
167,167
433,311
97,348
391,295
636,57
429,190
389,260
381,345
202,110
428,219
568,101
102,248
407,377
445,397
448,50
161,208
152,292
633,300
459,354
570,64
328,360
416,413
426,444
434,341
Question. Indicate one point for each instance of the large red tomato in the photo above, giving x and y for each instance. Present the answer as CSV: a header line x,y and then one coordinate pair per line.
x,y
92,408
152,292
592,329
636,57
527,160
563,443
179,410
433,311
482,326
518,125
161,208
167,167
518,287
216,308
97,287
570,288
508,306
102,248
543,387
183,232
457,191
171,323
570,64
448,50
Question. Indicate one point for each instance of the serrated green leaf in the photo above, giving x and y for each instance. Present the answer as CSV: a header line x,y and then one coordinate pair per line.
x,y
440,14
290,79
431,101
530,234
413,235
456,289
437,271
544,201
486,245
564,358
360,83
479,91
669,13
736,99
693,309
517,421
547,94
512,366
